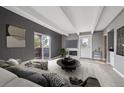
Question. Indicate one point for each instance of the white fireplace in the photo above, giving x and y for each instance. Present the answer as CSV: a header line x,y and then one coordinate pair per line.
x,y
73,52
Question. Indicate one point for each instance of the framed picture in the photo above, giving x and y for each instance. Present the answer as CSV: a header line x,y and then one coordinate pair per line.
x,y
15,36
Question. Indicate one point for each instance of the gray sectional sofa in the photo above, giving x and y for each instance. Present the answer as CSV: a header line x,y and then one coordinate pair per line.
x,y
41,77
20,75
8,79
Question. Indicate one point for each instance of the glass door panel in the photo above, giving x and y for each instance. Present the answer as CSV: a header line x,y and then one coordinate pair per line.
x,y
46,47
37,45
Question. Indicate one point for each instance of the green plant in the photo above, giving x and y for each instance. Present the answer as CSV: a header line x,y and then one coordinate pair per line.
x,y
63,52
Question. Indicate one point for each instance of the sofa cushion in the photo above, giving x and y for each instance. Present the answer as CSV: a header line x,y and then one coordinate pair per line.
x,y
4,64
19,82
30,69
23,73
54,80
37,64
39,79
12,61
6,76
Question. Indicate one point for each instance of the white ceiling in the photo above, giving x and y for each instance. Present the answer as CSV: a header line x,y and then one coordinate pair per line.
x,y
69,19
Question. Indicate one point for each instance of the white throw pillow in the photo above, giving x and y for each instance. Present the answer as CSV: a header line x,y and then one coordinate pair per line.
x,y
12,61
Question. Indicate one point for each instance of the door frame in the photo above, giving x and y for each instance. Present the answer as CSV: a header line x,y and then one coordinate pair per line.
x,y
42,44
81,36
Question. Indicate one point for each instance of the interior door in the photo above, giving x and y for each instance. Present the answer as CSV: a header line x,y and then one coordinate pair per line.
x,y
86,46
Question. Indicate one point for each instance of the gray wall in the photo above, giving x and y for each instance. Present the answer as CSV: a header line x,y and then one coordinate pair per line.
x,y
117,23
7,17
67,41
63,41
98,41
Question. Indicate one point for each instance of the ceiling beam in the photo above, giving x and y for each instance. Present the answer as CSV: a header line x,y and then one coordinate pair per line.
x,y
75,29
100,11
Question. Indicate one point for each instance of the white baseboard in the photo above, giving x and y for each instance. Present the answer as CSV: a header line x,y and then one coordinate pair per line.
x,y
55,57
119,73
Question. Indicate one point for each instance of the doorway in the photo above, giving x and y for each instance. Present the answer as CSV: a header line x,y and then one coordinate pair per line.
x,y
86,46
42,46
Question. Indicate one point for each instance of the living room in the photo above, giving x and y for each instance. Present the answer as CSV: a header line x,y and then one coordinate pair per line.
x,y
51,46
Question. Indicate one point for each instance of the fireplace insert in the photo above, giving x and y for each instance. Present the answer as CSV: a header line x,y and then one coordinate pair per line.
x,y
73,53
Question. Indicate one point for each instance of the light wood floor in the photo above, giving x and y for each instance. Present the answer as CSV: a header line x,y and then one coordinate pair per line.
x,y
103,72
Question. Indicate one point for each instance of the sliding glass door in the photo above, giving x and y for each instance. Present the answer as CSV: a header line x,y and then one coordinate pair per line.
x,y
42,46
46,47
37,45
